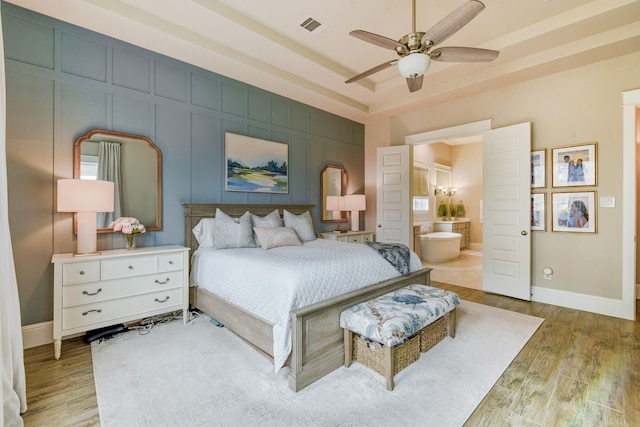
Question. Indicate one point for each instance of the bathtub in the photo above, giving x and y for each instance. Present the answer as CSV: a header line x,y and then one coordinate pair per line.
x,y
440,246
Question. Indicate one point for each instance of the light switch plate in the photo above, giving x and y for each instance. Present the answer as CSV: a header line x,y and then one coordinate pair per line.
x,y
607,202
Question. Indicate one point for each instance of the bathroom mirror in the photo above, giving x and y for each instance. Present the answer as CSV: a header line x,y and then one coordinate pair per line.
x,y
133,163
333,182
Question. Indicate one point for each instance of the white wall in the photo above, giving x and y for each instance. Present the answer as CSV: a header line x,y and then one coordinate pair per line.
x,y
578,106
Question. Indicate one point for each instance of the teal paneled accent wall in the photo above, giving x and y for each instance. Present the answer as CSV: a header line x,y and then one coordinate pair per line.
x,y
63,80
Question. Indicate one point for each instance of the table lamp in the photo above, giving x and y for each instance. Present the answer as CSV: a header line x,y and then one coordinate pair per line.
x,y
355,203
86,198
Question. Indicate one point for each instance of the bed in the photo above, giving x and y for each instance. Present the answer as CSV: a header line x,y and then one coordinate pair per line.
x,y
316,340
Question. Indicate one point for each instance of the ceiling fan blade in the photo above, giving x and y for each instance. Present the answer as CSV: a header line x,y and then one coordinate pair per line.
x,y
376,39
372,71
415,83
451,23
463,54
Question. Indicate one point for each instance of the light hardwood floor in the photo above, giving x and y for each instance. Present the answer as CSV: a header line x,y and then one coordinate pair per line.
x,y
578,369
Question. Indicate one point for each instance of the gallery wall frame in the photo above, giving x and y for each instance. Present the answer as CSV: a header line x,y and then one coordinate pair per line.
x,y
538,209
574,212
256,165
538,168
574,165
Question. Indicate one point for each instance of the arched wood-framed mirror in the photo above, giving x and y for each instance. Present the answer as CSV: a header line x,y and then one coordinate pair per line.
x,y
139,161
333,181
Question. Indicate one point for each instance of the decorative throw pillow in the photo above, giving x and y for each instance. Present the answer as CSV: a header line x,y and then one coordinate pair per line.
x,y
274,237
268,221
303,224
203,232
233,233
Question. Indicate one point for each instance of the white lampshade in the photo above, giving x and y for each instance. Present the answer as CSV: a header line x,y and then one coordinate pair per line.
x,y
414,65
333,203
86,197
355,203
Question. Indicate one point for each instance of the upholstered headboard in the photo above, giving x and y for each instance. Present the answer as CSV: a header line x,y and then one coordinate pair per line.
x,y
194,212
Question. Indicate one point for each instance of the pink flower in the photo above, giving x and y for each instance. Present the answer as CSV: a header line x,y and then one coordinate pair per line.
x,y
128,225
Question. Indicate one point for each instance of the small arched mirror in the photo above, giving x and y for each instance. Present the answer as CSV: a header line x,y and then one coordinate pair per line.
x,y
133,163
334,182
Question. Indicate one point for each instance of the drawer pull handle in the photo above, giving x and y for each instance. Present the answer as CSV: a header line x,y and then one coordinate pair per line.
x,y
95,293
99,310
131,267
170,262
162,283
164,300
82,272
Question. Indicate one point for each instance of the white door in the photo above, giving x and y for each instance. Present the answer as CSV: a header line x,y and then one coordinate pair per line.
x,y
394,213
506,233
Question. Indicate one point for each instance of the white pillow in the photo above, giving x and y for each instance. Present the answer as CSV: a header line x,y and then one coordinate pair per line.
x,y
274,237
268,221
233,233
303,224
203,232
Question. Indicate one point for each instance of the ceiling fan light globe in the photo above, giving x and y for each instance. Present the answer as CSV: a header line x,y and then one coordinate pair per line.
x,y
414,65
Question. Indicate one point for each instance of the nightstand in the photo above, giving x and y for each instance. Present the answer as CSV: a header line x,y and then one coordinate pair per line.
x,y
349,236
117,286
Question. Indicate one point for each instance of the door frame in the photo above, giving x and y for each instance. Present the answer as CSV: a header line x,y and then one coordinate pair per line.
x,y
630,103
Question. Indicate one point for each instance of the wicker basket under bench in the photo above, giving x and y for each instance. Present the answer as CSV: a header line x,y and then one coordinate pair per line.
x,y
388,333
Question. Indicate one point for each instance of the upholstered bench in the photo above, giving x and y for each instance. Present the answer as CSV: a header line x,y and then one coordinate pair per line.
x,y
388,333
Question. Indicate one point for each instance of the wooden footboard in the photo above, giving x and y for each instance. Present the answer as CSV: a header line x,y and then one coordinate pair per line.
x,y
318,340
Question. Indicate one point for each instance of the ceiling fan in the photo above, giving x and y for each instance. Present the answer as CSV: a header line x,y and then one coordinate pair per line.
x,y
414,48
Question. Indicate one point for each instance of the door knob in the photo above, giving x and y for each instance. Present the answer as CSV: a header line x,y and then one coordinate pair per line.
x,y
379,225
523,232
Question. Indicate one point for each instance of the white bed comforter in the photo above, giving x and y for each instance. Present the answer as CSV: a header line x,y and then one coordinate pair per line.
x,y
271,283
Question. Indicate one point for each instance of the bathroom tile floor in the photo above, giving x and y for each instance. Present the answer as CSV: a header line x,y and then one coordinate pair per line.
x,y
466,270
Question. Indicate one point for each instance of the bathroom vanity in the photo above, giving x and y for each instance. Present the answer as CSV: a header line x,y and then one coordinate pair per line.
x,y
461,226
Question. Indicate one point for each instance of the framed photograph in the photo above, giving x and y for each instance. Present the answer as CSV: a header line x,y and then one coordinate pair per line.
x,y
574,165
538,220
256,165
538,169
574,212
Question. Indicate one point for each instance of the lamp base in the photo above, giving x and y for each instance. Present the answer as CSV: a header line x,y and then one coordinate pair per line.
x,y
355,220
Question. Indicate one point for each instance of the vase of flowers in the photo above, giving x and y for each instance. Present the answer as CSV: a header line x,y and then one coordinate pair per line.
x,y
129,227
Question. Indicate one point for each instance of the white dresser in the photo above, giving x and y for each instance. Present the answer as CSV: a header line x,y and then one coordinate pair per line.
x,y
349,236
116,286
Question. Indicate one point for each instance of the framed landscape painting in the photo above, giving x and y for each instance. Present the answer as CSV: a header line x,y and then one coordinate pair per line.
x,y
256,165
574,165
574,212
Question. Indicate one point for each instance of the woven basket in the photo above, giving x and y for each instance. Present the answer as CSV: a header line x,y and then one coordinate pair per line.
x,y
432,334
405,354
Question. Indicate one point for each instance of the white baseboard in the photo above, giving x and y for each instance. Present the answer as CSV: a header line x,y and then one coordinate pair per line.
x,y
37,334
594,304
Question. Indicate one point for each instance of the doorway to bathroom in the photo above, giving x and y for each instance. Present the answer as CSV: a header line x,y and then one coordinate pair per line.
x,y
455,184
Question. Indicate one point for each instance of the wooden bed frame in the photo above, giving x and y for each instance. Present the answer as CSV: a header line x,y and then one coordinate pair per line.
x,y
317,339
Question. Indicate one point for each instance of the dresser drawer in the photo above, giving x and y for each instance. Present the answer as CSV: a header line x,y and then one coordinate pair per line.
x,y
128,267
89,293
80,272
170,262
113,310
355,239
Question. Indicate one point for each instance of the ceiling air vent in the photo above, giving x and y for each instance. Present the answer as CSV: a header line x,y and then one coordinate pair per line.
x,y
312,25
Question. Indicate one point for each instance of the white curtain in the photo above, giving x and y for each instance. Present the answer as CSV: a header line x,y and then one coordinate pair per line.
x,y
13,390
109,170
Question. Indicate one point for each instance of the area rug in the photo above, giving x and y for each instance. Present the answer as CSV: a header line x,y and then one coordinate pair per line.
x,y
199,374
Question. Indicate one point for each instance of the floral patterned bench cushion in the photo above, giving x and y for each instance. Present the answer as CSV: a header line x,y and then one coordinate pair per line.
x,y
393,318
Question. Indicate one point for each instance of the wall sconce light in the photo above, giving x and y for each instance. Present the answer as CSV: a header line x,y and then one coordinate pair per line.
x,y
86,198
450,192
355,203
